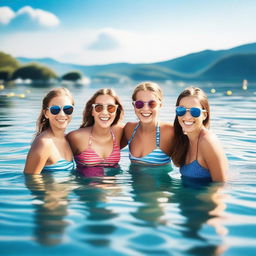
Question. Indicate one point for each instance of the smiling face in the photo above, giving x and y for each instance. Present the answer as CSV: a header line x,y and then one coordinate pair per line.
x,y
189,123
61,120
146,114
104,118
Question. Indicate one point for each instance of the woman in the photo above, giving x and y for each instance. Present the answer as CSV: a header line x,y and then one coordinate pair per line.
x,y
97,142
196,150
50,149
146,146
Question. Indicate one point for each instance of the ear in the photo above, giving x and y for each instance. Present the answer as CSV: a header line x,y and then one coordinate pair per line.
x,y
205,115
45,114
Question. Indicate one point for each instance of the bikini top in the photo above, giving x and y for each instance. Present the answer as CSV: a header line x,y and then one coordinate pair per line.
x,y
157,156
90,158
60,165
194,169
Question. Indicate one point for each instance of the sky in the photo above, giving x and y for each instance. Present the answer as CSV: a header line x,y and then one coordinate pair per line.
x,y
90,32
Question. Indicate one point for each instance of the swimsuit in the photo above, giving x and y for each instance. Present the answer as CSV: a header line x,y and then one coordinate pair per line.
x,y
90,158
60,165
157,156
194,169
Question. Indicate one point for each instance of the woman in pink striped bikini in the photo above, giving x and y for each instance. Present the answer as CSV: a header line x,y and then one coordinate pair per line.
x,y
97,141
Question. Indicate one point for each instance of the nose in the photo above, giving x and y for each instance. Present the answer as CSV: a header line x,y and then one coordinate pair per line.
x,y
105,110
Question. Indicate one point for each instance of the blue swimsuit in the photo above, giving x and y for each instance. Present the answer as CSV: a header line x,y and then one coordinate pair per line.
x,y
60,165
194,169
157,156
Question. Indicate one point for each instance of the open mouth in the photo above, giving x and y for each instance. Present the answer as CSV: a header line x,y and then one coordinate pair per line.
x,y
104,118
146,114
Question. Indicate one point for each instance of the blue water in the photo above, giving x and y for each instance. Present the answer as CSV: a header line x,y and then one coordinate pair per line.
x,y
129,210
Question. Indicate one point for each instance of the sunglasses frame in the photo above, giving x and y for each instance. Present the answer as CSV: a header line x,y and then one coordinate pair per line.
x,y
144,102
191,111
63,108
105,106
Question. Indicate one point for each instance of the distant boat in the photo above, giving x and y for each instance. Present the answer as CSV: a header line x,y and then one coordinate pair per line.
x,y
245,84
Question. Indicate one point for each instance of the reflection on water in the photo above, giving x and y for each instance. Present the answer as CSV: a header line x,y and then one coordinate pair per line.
x,y
50,203
131,210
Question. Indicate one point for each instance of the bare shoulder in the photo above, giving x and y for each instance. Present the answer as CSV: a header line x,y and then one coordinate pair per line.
x,y
128,128
76,134
209,140
42,141
167,128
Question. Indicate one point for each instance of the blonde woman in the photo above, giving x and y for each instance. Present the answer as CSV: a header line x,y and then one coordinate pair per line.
x,y
149,141
50,149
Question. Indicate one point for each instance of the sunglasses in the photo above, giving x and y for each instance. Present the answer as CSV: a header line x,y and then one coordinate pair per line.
x,y
140,104
195,112
100,107
67,109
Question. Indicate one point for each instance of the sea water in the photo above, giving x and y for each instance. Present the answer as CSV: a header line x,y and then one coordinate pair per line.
x,y
128,210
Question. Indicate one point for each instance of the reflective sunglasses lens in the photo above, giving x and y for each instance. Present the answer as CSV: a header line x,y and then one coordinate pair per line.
x,y
152,103
68,109
139,104
180,111
111,108
195,112
98,108
55,110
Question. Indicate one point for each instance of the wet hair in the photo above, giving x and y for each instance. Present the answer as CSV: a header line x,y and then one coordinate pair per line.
x,y
181,141
88,119
43,122
148,86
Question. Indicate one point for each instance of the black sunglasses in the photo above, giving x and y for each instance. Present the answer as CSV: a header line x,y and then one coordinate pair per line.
x,y
67,109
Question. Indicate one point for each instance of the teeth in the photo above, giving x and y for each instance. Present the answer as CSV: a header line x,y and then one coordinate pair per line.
x,y
61,120
104,118
188,123
146,115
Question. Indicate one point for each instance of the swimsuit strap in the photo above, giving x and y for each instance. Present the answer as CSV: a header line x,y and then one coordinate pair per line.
x,y
134,132
158,135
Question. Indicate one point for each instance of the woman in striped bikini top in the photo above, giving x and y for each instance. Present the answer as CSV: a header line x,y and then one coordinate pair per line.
x,y
146,146
50,150
97,141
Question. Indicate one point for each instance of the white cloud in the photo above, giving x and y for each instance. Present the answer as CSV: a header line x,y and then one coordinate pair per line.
x,y
29,16
43,18
6,15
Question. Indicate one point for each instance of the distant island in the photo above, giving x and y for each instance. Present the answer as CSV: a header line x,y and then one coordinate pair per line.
x,y
233,65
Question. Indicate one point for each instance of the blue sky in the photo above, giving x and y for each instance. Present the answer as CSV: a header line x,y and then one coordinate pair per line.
x,y
135,31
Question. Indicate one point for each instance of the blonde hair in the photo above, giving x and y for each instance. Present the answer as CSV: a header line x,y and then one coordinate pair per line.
x,y
148,86
42,122
181,141
88,119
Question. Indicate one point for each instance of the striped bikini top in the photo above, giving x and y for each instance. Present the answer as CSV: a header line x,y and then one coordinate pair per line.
x,y
156,157
60,165
90,158
194,169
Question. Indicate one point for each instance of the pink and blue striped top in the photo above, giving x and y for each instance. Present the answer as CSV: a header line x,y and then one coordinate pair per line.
x,y
90,158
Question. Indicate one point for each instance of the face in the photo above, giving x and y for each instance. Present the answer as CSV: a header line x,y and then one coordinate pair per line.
x,y
60,120
104,110
188,122
149,111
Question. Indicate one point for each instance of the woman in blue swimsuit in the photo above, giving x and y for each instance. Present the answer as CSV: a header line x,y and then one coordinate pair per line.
x,y
50,149
149,141
197,151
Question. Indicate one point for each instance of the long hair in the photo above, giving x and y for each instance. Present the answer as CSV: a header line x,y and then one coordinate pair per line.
x,y
42,122
88,119
181,141
148,86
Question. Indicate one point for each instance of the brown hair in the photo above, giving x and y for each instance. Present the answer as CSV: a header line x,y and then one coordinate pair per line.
x,y
148,86
42,122
181,141
88,119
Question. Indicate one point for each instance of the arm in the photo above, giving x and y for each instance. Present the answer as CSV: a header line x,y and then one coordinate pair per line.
x,y
37,157
118,130
214,158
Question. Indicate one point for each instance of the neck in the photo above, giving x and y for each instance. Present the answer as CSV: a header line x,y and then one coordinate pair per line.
x,y
99,131
193,137
148,127
58,133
